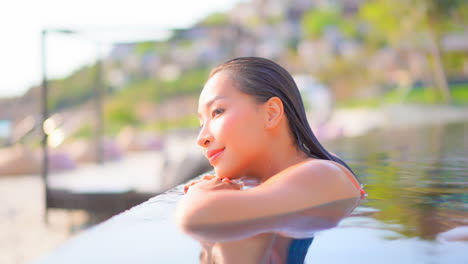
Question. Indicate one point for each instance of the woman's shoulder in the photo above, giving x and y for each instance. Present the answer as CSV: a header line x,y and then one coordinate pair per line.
x,y
312,170
326,168
316,174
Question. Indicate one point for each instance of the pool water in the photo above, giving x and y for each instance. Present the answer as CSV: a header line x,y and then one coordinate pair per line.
x,y
417,181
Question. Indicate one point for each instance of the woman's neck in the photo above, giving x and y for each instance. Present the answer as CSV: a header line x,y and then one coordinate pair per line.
x,y
280,152
276,161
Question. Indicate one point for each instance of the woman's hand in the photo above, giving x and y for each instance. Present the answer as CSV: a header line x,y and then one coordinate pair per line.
x,y
212,183
196,193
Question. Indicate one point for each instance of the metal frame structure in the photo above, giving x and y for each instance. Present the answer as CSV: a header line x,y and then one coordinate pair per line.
x,y
65,199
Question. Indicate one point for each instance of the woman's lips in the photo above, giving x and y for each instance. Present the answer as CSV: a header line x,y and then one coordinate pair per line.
x,y
213,154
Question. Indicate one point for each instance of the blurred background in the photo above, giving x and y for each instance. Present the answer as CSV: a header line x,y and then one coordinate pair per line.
x,y
114,86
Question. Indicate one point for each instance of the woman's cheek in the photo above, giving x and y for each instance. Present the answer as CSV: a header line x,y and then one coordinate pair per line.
x,y
225,126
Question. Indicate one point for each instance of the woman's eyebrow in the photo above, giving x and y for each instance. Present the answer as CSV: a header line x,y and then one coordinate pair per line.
x,y
210,102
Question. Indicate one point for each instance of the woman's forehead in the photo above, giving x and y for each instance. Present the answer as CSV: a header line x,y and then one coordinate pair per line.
x,y
220,85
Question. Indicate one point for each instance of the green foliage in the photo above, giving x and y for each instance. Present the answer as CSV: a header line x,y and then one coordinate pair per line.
x,y
383,19
156,90
426,95
185,43
120,113
186,122
161,46
73,90
86,131
394,22
418,95
137,91
120,109
144,47
460,94
357,103
454,62
349,28
441,13
315,22
418,24
274,20
399,20
215,19
190,83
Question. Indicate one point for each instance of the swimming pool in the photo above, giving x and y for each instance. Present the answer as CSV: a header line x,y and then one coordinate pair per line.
x,y
417,181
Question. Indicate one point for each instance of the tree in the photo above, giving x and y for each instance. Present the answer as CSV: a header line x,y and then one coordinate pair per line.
x,y
315,22
402,20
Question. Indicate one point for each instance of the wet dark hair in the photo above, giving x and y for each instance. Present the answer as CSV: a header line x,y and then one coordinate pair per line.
x,y
264,79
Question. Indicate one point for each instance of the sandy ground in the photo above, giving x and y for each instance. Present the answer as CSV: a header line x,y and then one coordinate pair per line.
x,y
24,236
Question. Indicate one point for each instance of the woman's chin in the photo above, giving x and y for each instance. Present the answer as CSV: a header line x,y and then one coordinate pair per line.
x,y
223,173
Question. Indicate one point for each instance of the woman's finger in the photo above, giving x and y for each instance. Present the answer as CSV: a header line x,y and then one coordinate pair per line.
x,y
241,184
190,184
236,184
208,177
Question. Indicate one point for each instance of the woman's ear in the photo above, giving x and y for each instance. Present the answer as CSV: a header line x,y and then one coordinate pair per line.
x,y
274,111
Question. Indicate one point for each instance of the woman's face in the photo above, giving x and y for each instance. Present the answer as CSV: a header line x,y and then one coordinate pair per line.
x,y
232,132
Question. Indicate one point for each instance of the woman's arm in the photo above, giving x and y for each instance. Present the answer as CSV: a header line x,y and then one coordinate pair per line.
x,y
309,184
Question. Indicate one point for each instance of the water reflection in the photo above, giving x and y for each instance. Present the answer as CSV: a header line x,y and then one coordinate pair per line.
x,y
417,180
416,177
273,239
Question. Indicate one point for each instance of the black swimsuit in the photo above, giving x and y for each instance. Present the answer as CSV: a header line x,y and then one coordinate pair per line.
x,y
298,250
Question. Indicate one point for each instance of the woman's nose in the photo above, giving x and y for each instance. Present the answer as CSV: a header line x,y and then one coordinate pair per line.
x,y
204,138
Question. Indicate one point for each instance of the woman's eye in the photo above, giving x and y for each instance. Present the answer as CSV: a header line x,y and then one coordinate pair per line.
x,y
217,112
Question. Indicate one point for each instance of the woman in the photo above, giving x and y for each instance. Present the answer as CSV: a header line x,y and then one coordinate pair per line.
x,y
254,130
